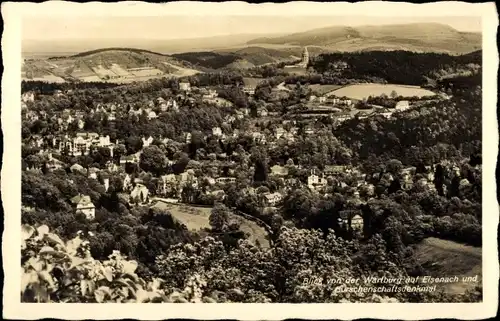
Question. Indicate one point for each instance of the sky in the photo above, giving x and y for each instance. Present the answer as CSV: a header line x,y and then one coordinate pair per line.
x,y
183,27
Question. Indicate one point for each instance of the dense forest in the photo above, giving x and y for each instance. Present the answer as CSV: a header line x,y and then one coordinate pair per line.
x,y
211,60
398,67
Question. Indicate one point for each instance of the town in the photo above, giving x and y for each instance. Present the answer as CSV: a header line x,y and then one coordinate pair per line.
x,y
351,164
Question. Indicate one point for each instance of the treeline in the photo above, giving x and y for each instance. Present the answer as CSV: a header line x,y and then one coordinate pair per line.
x,y
454,122
399,67
48,88
222,78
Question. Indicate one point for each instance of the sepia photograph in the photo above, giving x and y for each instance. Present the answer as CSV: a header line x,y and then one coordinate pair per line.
x,y
169,156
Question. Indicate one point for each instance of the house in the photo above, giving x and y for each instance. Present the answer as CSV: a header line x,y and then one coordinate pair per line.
x,y
93,171
280,132
225,180
309,130
130,159
53,163
322,99
210,180
259,137
188,138
188,177
249,90
152,115
167,184
112,167
272,199
147,142
104,141
210,94
140,194
36,141
217,131
347,102
82,142
84,205
331,170
106,184
262,112
351,219
316,182
402,105
127,182
28,97
185,86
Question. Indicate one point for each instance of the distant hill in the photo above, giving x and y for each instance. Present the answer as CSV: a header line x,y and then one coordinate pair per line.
x,y
420,37
240,58
109,64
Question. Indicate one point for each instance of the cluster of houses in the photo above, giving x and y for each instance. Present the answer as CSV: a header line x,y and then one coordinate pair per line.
x,y
82,143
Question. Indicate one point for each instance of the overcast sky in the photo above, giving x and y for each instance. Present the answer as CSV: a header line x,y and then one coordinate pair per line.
x,y
181,27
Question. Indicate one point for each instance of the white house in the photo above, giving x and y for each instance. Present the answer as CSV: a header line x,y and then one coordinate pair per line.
x,y
314,181
217,131
28,97
147,142
84,205
185,86
279,132
167,184
139,193
224,180
272,199
152,115
402,105
104,141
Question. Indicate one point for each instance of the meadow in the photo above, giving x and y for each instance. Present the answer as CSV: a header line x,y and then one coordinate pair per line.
x,y
197,218
361,91
443,258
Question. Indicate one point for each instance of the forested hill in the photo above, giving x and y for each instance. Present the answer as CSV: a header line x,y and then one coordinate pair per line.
x,y
400,67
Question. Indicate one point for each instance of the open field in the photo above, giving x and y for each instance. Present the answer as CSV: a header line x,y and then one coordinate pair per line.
x,y
361,91
442,258
120,65
323,89
197,218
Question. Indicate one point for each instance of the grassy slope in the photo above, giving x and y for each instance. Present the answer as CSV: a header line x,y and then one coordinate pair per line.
x,y
442,258
197,218
81,64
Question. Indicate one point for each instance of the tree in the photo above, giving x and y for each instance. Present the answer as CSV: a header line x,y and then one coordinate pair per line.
x,y
153,160
219,217
133,144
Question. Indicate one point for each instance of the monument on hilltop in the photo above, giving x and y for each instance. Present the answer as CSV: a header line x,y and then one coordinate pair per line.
x,y
305,58
303,63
